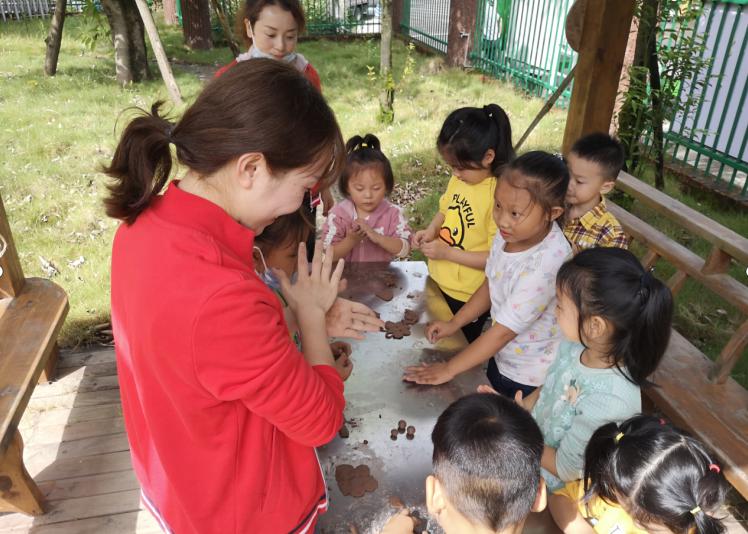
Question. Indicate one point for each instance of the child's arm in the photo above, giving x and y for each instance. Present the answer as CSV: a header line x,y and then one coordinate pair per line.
x,y
548,460
439,250
478,303
566,514
430,232
491,341
528,403
393,245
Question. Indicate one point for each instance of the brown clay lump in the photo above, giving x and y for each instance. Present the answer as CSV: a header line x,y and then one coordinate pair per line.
x,y
385,294
396,330
355,481
411,432
393,434
401,426
343,432
410,317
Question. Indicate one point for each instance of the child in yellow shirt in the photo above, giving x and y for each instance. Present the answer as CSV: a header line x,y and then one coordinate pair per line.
x,y
476,143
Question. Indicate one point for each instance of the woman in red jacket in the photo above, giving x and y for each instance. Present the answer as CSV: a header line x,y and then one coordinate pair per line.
x,y
221,409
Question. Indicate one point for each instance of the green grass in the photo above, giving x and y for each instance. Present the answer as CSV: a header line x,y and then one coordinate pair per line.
x,y
55,132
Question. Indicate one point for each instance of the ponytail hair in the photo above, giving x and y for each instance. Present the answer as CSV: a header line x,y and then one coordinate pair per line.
x,y
365,152
262,106
612,284
668,477
468,133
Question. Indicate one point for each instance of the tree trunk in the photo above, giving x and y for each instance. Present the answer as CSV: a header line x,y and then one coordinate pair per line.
x,y
170,12
54,38
224,22
158,49
196,24
128,37
657,112
387,96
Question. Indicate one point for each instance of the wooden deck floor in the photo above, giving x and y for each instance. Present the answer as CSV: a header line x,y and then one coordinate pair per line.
x,y
76,449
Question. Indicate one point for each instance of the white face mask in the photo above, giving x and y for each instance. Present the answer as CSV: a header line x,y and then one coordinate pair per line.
x,y
255,53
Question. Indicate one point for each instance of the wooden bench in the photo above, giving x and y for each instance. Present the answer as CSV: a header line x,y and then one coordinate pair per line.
x,y
694,392
31,313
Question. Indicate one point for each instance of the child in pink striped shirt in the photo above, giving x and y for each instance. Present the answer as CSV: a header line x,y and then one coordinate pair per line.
x,y
366,226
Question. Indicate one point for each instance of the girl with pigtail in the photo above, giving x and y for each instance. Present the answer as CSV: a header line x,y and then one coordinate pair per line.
x,y
366,226
616,317
643,476
221,408
476,143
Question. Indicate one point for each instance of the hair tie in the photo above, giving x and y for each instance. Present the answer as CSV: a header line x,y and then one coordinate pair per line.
x,y
618,437
169,131
364,145
715,468
487,112
662,421
696,511
644,283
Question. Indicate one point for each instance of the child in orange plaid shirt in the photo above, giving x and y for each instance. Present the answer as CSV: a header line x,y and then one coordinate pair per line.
x,y
594,163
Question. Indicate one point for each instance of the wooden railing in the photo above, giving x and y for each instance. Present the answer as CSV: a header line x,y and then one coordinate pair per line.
x,y
693,391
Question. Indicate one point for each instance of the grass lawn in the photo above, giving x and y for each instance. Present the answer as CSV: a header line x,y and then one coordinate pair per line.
x,y
55,132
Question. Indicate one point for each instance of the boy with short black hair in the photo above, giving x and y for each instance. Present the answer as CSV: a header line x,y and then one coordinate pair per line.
x,y
486,460
594,163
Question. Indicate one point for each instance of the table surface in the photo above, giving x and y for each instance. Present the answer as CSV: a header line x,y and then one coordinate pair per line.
x,y
377,398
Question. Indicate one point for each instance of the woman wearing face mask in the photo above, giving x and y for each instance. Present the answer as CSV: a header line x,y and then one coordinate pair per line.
x,y
271,29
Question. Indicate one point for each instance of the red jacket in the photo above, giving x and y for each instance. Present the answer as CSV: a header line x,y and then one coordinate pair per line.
x,y
222,411
310,73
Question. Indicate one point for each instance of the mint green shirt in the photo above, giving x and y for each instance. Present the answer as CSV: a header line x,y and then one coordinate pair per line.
x,y
575,401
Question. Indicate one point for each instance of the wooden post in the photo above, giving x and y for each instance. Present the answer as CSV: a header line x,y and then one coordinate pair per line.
x,y
461,35
18,491
54,38
598,70
158,49
11,277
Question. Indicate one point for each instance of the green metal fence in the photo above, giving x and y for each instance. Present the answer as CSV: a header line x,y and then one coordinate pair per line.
x,y
333,17
427,22
524,41
712,135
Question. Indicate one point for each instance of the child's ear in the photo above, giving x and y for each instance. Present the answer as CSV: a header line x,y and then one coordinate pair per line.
x,y
597,327
435,498
541,498
607,187
556,212
488,158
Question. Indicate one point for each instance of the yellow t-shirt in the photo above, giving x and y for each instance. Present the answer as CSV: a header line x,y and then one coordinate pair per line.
x,y
468,225
605,518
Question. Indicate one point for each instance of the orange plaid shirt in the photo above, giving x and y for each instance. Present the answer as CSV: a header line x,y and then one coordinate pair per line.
x,y
596,228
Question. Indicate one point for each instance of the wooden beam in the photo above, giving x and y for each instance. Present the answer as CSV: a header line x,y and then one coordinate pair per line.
x,y
11,274
603,45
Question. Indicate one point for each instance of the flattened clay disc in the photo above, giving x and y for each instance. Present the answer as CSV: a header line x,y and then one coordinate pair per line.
x,y
385,294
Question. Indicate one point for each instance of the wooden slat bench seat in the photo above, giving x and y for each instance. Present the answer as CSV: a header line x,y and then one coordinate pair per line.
x,y
31,314
690,389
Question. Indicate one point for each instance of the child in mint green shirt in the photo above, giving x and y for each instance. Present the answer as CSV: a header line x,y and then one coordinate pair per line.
x,y
616,317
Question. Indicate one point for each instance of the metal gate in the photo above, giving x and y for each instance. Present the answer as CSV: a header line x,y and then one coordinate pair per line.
x,y
427,22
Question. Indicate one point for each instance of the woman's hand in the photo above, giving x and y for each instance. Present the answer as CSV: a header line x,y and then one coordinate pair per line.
x,y
314,290
436,249
351,319
440,329
430,374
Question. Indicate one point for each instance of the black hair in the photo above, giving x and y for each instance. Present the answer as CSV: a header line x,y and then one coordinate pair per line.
x,y
468,133
612,284
667,477
363,152
487,452
602,149
541,174
290,228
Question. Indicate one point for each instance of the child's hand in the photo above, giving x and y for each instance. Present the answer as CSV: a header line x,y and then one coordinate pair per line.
x,y
519,399
340,348
343,365
436,249
400,523
368,231
431,374
421,237
356,232
315,290
440,329
351,319
483,388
